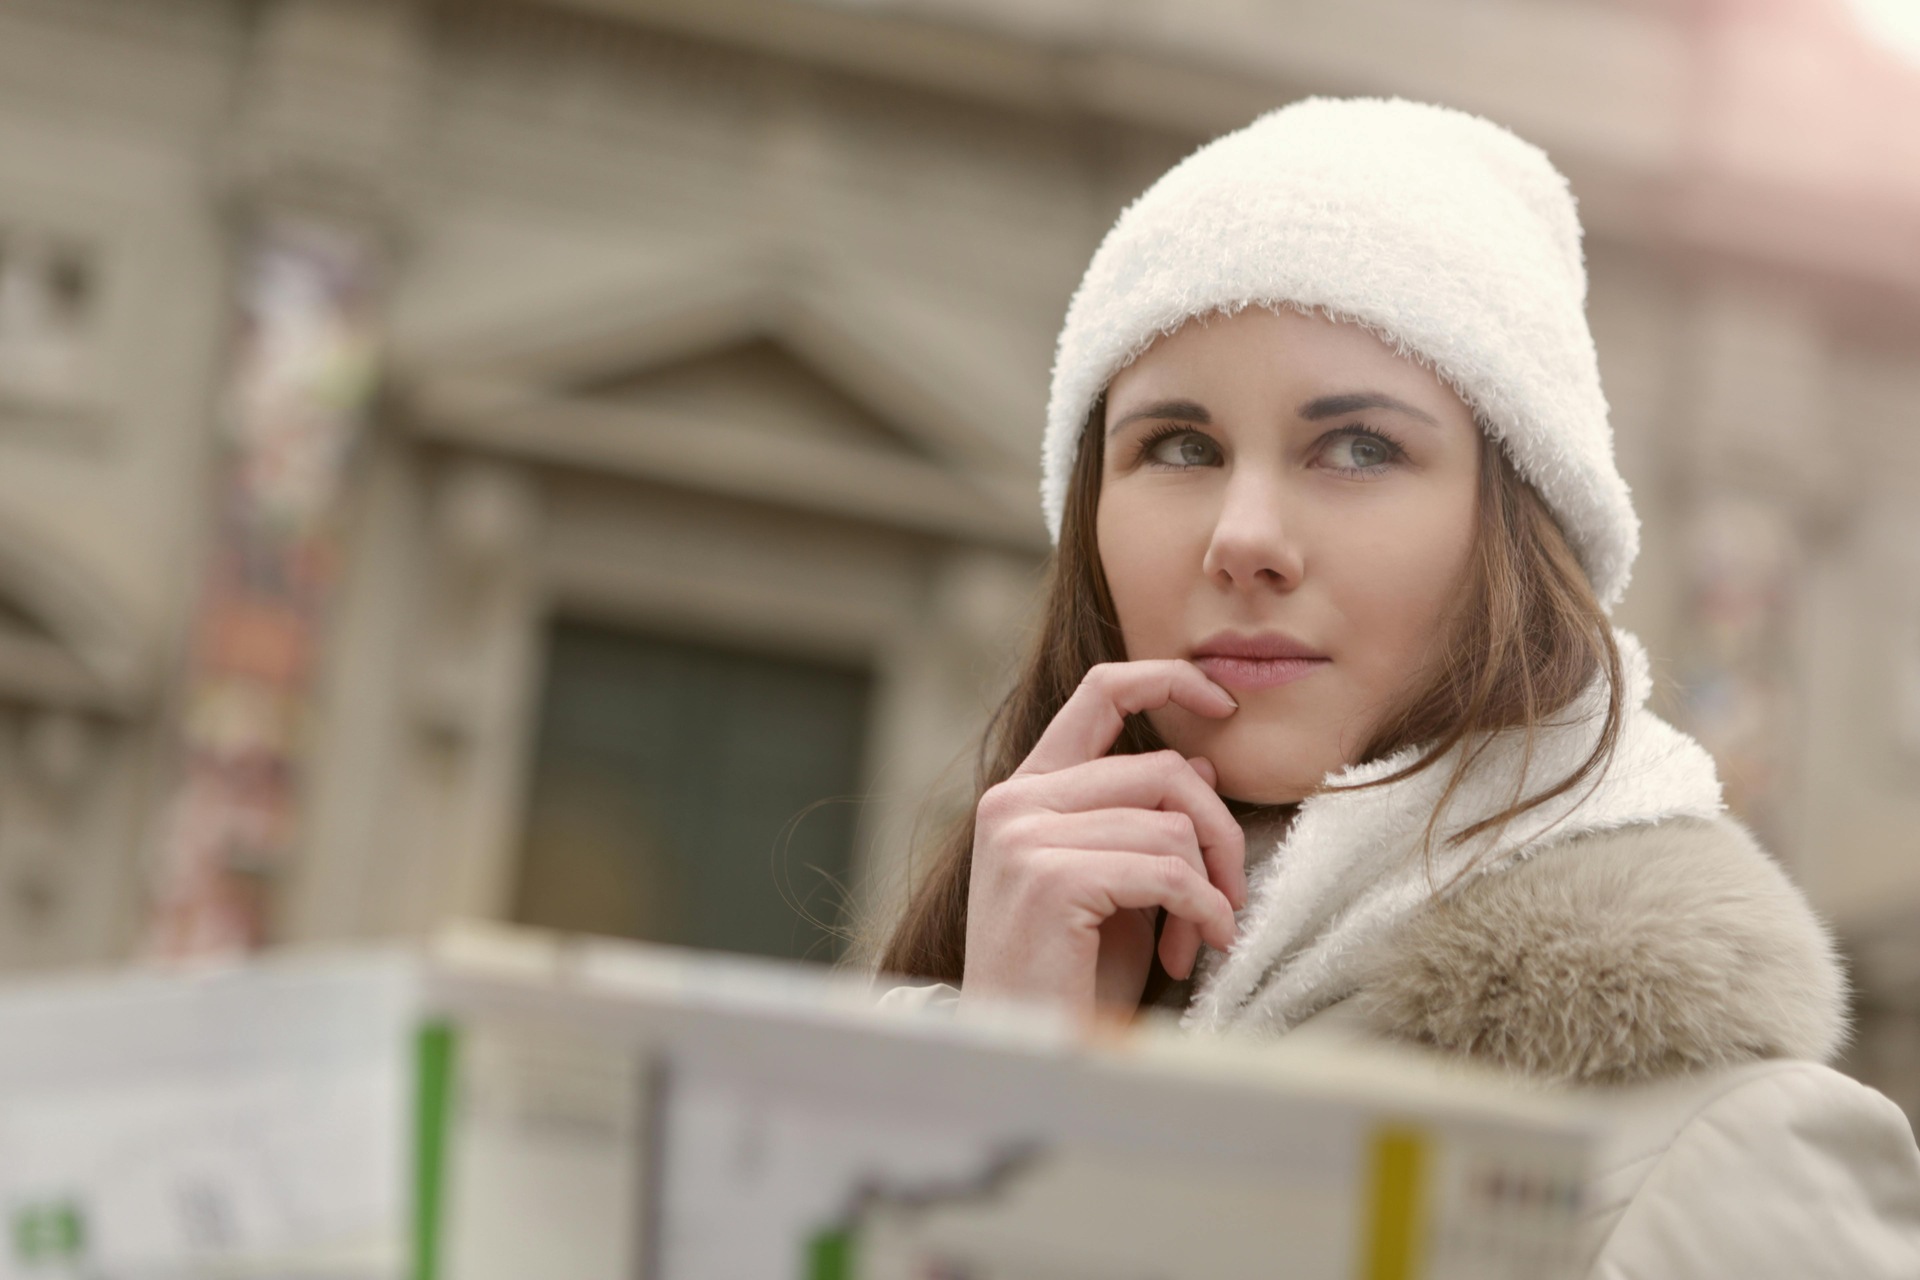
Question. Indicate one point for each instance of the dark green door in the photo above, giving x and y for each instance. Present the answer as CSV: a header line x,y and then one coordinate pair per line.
x,y
677,794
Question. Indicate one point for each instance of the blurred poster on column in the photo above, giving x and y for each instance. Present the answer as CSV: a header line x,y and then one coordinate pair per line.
x,y
299,389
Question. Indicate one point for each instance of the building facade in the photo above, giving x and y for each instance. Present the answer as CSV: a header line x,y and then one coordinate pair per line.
x,y
399,402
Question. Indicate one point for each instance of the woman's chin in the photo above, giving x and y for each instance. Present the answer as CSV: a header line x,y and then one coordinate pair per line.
x,y
1252,779
1261,767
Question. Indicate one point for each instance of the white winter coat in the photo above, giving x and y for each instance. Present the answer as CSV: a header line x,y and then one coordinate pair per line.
x,y
1646,949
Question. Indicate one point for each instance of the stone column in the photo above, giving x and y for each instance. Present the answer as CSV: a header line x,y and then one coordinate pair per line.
x,y
939,682
1759,483
316,198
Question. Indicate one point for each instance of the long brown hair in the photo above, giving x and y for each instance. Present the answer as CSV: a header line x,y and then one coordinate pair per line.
x,y
1527,637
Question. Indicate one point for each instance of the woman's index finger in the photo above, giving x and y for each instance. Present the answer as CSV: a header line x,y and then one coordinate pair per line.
x,y
1089,724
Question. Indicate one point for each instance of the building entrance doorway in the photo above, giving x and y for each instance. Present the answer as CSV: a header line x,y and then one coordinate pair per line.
x,y
688,794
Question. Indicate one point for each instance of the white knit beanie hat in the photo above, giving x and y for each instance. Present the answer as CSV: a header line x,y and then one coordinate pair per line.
x,y
1442,233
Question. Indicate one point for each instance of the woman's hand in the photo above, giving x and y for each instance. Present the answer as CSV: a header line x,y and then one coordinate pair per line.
x,y
1075,852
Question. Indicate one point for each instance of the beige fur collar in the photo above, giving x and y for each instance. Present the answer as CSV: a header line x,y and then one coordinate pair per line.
x,y
1617,957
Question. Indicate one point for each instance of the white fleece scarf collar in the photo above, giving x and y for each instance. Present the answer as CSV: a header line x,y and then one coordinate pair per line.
x,y
1349,869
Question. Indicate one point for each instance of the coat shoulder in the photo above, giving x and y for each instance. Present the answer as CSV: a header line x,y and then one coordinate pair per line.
x,y
1618,956
1774,1169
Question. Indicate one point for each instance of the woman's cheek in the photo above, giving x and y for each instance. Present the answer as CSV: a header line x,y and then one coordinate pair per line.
x,y
1404,630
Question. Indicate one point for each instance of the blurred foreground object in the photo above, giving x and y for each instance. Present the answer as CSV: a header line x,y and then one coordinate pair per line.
x,y
512,1106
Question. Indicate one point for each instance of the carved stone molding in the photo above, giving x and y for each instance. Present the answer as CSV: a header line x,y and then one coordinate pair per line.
x,y
328,122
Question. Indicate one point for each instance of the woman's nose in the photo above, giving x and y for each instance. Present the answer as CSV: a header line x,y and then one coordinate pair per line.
x,y
1253,543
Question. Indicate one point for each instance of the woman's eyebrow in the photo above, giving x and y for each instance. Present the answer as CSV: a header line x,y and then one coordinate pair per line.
x,y
1184,410
1354,401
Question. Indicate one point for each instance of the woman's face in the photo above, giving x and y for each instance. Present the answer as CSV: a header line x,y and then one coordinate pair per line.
x,y
1272,478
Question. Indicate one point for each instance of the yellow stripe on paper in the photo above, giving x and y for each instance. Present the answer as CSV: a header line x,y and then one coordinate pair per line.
x,y
1395,1205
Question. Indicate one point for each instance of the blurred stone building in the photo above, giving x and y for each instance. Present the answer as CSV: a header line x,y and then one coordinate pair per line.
x,y
511,458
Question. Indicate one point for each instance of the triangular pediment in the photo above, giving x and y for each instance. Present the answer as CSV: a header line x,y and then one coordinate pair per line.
x,y
758,384
741,383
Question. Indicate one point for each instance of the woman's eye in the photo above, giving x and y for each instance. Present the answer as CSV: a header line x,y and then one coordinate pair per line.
x,y
1186,449
1359,452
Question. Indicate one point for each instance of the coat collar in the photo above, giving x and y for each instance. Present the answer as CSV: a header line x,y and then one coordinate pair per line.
x,y
1619,957
1351,870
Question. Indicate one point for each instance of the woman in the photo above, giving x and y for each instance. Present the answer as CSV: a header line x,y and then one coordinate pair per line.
x,y
1327,723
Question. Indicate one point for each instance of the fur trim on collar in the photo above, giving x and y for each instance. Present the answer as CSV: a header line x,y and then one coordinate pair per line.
x,y
1617,957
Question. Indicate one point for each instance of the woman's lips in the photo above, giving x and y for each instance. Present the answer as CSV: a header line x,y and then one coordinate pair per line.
x,y
1257,673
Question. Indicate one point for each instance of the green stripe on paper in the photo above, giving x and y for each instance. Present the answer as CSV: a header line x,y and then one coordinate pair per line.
x,y
433,1056
830,1256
